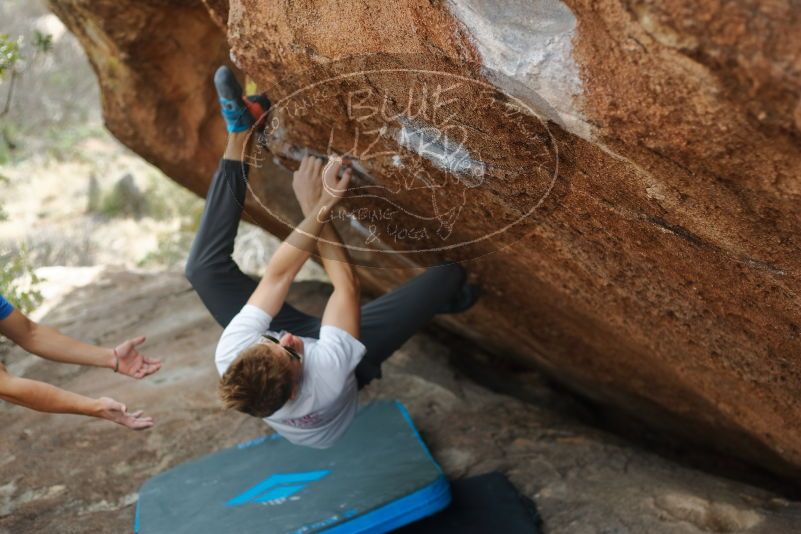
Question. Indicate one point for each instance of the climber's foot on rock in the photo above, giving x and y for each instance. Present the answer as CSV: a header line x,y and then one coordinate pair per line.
x,y
258,105
240,113
463,300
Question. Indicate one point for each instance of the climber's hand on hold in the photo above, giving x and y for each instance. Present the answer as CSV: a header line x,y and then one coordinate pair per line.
x,y
307,184
334,187
317,183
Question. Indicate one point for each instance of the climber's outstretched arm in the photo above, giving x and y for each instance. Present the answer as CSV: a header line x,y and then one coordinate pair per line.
x,y
296,249
344,308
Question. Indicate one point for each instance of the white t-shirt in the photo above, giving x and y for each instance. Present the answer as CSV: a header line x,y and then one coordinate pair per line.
x,y
328,398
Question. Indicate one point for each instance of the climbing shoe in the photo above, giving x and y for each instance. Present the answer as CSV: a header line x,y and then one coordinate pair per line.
x,y
258,105
240,113
463,300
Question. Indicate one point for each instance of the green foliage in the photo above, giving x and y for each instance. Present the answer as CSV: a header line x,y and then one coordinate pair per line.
x,y
11,49
171,250
160,199
19,282
124,200
3,214
42,42
11,59
9,53
169,201
64,143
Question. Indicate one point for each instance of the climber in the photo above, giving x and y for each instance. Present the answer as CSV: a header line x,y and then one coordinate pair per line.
x,y
298,372
51,344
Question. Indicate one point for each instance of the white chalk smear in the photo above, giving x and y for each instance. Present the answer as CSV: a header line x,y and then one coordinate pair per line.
x,y
438,148
526,48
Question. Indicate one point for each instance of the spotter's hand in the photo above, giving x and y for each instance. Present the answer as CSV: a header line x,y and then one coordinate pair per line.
x,y
132,362
117,412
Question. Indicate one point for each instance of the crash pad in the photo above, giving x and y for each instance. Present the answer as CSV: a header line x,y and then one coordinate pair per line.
x,y
378,477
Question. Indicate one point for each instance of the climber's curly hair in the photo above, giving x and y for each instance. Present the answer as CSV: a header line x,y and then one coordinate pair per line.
x,y
258,382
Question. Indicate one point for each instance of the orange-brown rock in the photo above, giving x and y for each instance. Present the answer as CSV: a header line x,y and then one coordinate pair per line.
x,y
636,163
153,60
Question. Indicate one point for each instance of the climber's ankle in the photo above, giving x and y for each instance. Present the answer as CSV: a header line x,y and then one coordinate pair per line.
x,y
237,145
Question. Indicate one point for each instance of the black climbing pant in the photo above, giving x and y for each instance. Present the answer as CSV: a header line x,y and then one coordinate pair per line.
x,y
386,322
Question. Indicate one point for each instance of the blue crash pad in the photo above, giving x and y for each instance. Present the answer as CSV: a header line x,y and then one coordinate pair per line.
x,y
379,476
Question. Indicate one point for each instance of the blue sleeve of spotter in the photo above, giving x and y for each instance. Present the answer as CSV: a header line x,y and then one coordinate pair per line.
x,y
5,308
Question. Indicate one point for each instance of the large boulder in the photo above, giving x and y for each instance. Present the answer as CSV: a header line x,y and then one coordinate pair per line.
x,y
624,175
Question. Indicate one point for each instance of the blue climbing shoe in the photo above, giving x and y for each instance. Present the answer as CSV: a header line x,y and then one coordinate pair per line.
x,y
240,113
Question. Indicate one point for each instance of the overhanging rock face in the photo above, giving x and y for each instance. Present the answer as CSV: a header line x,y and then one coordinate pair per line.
x,y
624,176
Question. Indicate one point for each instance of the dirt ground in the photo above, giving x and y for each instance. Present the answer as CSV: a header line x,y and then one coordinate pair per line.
x,y
68,474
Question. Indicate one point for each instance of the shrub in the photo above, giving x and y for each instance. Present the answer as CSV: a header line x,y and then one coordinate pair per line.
x,y
19,282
